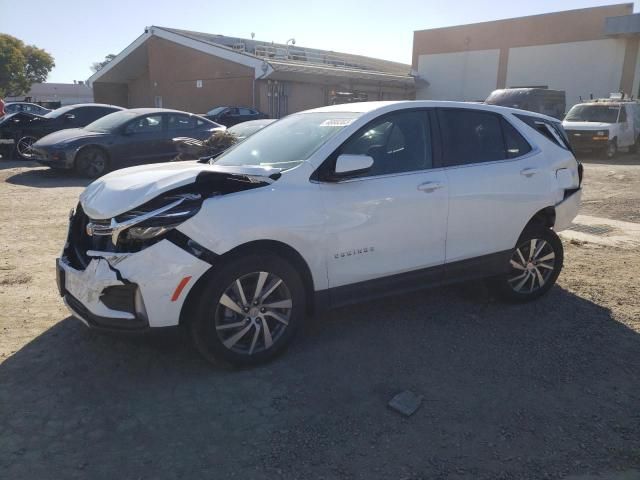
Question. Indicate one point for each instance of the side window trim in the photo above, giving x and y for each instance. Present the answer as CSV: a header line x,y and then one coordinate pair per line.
x,y
328,164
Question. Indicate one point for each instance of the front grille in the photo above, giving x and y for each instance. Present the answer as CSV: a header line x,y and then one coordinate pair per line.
x,y
584,139
80,242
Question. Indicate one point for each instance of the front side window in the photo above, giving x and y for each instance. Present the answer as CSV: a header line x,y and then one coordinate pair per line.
x,y
147,124
399,142
471,136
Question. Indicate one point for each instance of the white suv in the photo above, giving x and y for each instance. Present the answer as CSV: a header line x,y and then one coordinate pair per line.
x,y
320,209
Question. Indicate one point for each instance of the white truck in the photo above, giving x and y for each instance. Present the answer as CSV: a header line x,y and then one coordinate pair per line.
x,y
606,125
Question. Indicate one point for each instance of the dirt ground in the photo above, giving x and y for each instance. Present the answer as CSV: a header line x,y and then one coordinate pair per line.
x,y
545,390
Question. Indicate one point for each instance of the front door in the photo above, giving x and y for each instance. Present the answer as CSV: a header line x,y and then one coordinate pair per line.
x,y
145,140
392,219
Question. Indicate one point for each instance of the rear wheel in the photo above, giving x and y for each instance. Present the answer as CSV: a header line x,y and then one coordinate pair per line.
x,y
91,162
635,147
249,310
534,266
24,147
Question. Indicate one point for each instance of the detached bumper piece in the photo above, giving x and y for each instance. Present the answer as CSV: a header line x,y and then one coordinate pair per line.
x,y
96,300
104,323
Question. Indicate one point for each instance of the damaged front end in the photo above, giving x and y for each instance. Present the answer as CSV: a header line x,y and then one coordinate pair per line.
x,y
134,270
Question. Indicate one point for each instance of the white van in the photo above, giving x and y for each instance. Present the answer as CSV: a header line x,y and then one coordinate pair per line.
x,y
606,125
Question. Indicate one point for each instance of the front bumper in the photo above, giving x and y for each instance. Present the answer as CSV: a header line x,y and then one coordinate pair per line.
x,y
130,291
567,210
586,140
62,159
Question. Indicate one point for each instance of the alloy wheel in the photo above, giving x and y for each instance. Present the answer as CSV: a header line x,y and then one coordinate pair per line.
x,y
93,163
25,147
532,264
253,313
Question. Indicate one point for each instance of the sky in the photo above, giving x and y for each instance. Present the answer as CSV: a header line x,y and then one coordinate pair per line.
x,y
80,32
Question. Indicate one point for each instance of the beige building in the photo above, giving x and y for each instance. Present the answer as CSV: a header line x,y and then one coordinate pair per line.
x,y
585,52
195,72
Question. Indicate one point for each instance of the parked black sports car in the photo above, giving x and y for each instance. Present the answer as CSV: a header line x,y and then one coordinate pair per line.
x,y
122,139
19,131
229,116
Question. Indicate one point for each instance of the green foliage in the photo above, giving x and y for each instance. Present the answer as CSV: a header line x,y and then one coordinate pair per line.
x,y
100,65
21,65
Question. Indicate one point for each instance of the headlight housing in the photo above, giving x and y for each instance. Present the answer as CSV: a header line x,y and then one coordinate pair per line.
x,y
150,222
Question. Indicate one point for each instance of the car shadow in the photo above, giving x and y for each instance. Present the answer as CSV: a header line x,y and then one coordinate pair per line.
x,y
539,390
46,178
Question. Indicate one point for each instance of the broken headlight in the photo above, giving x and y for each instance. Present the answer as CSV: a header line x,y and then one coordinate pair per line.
x,y
153,221
150,221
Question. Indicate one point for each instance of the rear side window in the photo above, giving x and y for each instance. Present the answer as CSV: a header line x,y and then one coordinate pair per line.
x,y
471,136
515,143
180,122
552,130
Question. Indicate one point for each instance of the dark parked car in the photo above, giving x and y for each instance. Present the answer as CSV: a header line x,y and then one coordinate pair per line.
x,y
15,107
19,131
229,116
122,139
540,100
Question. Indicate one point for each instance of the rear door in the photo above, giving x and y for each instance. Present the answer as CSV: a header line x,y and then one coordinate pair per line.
x,y
496,181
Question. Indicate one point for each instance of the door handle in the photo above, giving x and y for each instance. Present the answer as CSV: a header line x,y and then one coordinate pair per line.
x,y
429,187
528,172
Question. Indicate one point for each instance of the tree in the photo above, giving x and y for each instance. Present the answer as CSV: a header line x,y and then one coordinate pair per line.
x,y
100,65
21,65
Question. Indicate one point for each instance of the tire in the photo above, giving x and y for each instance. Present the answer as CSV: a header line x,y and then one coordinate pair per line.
x,y
612,149
91,162
532,275
23,147
226,328
636,146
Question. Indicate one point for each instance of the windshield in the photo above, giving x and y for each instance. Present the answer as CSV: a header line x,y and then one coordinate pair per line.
x,y
216,110
289,141
110,122
593,113
243,130
60,111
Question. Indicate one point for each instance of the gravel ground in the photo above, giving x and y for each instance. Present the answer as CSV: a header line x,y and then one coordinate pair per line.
x,y
545,390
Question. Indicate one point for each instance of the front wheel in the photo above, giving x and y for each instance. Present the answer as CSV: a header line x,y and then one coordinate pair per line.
x,y
534,266
24,147
612,149
91,162
248,310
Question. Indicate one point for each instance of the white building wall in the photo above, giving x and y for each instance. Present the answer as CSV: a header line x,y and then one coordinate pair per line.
x,y
463,76
578,68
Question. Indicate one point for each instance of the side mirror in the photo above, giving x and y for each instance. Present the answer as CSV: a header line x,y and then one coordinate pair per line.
x,y
69,116
347,164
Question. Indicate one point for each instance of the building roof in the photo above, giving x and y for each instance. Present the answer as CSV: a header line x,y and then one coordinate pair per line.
x,y
268,59
271,51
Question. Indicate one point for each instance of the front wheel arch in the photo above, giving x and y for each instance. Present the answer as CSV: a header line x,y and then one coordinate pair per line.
x,y
86,147
255,247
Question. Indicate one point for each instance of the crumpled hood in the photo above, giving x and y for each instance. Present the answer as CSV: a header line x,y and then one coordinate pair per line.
x,y
67,135
122,190
585,125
